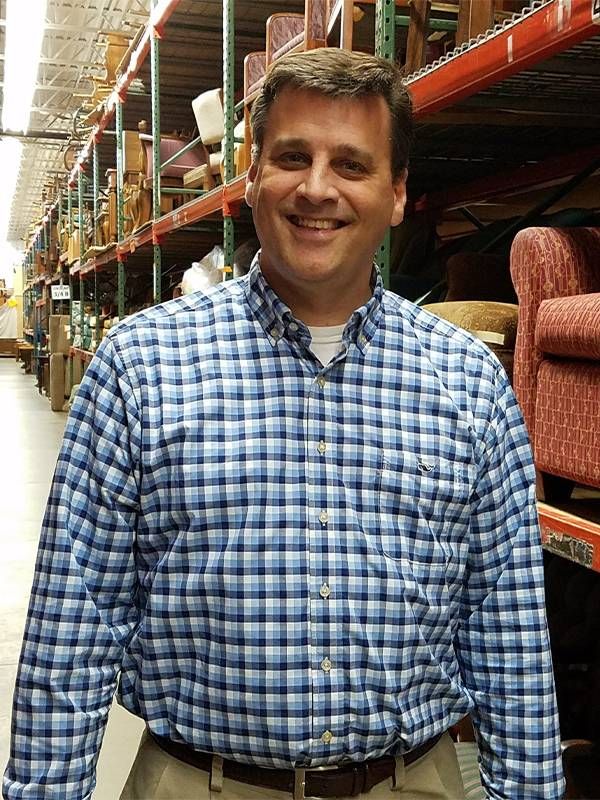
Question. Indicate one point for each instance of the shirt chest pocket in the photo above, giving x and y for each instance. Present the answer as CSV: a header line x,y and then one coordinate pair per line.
x,y
423,506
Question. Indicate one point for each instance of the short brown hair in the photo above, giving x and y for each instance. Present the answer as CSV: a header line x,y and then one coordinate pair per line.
x,y
340,73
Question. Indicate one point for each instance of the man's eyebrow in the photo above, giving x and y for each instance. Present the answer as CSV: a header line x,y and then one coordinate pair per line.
x,y
342,151
290,143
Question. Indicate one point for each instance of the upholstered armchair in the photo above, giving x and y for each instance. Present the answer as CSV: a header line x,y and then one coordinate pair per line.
x,y
556,273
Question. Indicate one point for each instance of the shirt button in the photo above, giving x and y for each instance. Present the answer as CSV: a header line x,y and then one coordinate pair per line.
x,y
326,737
326,665
275,333
362,339
293,327
321,382
322,447
324,517
325,591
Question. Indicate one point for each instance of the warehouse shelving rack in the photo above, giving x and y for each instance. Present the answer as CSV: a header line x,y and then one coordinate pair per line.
x,y
451,96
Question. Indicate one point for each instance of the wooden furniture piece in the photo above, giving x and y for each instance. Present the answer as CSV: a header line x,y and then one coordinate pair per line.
x,y
556,273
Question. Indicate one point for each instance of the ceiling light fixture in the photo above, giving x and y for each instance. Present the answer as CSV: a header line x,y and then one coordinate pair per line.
x,y
24,31
25,24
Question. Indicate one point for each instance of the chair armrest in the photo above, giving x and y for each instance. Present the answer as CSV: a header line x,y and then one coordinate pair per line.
x,y
570,327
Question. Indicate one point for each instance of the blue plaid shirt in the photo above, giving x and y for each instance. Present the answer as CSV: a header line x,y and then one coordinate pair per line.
x,y
286,563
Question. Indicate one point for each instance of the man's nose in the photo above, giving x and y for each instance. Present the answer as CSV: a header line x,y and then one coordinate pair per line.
x,y
318,184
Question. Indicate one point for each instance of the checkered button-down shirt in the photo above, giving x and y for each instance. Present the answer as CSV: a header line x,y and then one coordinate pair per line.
x,y
289,564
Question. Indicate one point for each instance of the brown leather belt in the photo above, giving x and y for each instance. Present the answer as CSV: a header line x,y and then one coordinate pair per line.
x,y
347,780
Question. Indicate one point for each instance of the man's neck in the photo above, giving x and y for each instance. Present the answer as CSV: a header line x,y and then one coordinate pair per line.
x,y
318,304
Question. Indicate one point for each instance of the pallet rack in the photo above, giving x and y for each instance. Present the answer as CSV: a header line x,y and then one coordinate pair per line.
x,y
465,103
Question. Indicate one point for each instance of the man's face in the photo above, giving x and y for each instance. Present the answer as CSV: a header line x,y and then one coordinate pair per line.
x,y
322,192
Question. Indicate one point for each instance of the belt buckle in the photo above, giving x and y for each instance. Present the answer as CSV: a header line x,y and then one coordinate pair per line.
x,y
299,783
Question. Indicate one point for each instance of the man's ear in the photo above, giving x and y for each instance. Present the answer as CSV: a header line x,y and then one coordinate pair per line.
x,y
399,198
250,177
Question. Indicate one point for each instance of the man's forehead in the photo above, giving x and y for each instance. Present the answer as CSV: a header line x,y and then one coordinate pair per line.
x,y
294,106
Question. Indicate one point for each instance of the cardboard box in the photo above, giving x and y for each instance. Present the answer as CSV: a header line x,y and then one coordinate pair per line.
x,y
57,381
59,334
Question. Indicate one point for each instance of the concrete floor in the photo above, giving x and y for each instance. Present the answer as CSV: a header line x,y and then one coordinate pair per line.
x,y
31,434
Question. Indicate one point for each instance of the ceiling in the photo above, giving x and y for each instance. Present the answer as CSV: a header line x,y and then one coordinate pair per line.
x,y
72,52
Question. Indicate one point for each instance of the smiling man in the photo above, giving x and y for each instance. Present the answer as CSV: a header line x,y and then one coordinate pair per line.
x,y
294,517
323,195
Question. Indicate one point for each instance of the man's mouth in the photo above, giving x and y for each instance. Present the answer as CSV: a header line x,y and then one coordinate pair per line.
x,y
318,224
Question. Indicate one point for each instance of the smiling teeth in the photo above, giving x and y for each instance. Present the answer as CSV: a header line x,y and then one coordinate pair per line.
x,y
321,224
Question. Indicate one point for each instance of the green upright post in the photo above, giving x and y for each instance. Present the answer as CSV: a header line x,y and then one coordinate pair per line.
x,y
120,215
71,327
70,210
228,102
385,35
80,215
96,189
81,247
155,89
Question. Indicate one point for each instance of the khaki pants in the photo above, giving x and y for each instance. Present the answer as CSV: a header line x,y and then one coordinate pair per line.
x,y
155,775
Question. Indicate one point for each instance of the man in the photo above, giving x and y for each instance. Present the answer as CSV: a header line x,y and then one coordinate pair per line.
x,y
297,513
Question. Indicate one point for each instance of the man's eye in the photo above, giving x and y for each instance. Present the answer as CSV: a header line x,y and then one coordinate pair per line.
x,y
352,166
292,159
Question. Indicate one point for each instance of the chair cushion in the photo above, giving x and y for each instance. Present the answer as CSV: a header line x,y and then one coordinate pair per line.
x,y
289,45
209,115
570,326
493,323
169,145
284,32
255,65
567,423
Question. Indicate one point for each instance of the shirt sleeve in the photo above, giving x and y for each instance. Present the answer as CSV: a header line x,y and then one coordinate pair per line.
x,y
502,641
82,610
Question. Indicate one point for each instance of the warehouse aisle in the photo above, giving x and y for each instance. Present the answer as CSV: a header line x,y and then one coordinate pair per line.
x,y
31,434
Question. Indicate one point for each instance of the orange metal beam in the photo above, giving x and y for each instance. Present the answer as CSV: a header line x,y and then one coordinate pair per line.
x,y
543,33
572,537
135,241
191,212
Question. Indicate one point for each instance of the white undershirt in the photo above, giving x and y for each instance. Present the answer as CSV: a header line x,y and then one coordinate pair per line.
x,y
326,341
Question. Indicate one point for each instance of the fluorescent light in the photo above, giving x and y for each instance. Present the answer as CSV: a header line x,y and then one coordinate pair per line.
x,y
25,23
10,160
24,31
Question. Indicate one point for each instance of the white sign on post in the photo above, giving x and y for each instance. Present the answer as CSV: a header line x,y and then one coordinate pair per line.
x,y
61,292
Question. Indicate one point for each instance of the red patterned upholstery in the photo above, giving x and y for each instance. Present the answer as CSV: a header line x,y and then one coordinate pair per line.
x,y
255,66
284,32
569,327
567,420
560,396
169,145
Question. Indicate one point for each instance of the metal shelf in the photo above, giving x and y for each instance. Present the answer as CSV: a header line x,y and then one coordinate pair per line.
x,y
543,31
570,536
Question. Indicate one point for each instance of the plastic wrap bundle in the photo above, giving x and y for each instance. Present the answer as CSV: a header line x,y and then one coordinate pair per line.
x,y
205,273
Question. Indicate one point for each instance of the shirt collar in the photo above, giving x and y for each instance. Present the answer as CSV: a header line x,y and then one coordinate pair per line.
x,y
278,322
